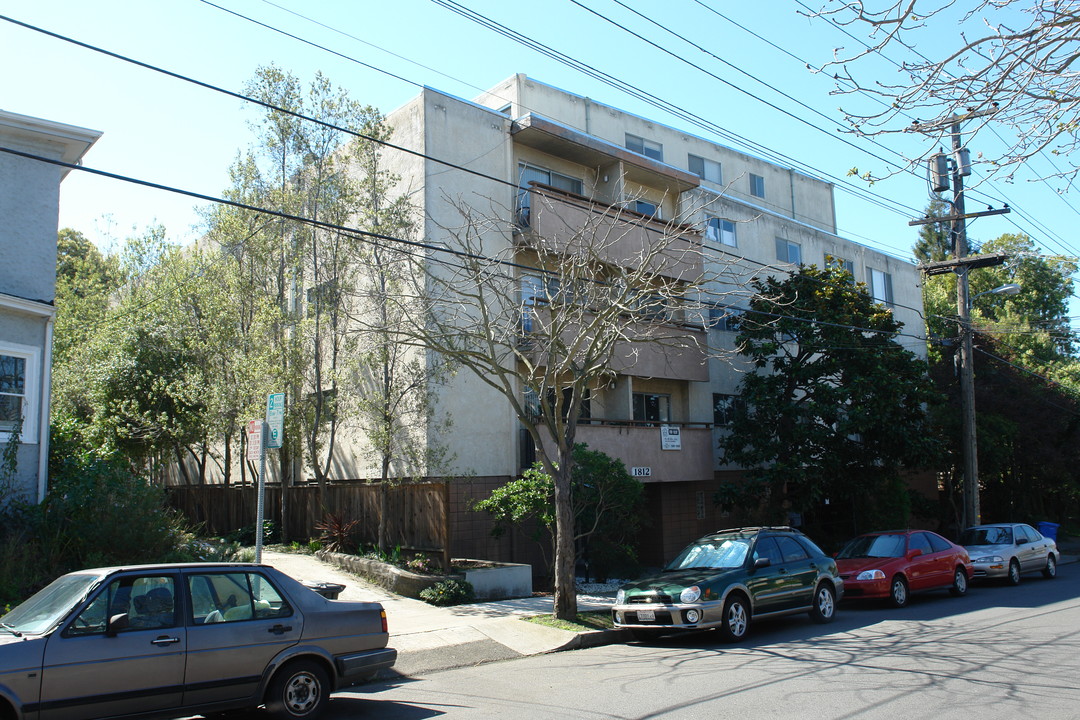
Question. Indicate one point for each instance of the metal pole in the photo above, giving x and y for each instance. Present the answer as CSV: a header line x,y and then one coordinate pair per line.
x,y
971,514
259,500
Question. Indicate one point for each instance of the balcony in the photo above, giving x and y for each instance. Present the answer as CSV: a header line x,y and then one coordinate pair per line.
x,y
569,223
638,445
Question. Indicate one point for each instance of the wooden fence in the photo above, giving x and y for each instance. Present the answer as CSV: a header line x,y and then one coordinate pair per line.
x,y
418,519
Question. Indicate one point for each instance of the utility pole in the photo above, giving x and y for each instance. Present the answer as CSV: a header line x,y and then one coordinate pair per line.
x,y
961,264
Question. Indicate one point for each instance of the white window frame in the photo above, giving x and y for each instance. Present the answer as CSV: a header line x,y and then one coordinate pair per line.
x,y
757,186
720,230
881,289
31,399
711,171
644,146
786,256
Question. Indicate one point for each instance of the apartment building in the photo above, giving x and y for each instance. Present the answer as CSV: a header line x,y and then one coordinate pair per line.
x,y
547,158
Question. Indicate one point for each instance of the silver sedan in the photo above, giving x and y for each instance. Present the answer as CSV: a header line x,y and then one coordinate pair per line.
x,y
1008,550
171,640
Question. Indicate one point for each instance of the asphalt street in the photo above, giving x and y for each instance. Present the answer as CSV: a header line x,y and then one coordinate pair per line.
x,y
999,652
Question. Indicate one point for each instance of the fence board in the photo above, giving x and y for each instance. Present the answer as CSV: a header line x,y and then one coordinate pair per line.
x,y
418,515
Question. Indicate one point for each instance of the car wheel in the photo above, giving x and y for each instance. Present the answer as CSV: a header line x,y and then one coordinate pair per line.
x,y
898,592
301,689
1014,572
736,618
824,608
959,582
1050,571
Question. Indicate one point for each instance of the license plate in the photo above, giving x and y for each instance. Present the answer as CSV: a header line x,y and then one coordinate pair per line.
x,y
646,616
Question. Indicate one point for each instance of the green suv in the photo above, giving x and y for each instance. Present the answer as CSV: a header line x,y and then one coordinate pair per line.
x,y
726,579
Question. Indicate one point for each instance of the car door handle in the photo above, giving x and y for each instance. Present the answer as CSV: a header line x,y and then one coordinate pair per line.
x,y
280,629
165,640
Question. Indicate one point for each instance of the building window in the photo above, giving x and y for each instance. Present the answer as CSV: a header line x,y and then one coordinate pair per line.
x,y
648,148
532,403
705,169
18,391
720,230
789,252
881,286
647,208
725,318
757,186
832,261
726,408
652,408
529,174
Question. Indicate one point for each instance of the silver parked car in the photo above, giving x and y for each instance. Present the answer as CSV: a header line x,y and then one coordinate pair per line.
x,y
172,640
1008,550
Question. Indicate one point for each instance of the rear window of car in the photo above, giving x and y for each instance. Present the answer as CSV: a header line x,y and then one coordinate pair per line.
x,y
233,597
938,543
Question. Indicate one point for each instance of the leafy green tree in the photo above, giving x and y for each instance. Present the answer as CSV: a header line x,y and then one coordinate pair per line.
x,y
836,408
607,508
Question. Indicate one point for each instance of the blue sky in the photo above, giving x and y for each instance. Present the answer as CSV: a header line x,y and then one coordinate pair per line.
x,y
169,132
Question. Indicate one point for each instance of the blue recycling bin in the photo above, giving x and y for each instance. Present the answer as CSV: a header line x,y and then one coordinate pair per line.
x,y
1049,529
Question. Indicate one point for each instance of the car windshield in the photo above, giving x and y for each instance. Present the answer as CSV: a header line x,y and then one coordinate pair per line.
x,y
49,605
873,546
717,554
987,536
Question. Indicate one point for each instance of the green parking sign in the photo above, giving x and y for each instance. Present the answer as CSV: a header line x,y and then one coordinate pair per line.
x,y
275,419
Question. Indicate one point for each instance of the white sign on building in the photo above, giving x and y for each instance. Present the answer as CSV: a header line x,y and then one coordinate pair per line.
x,y
670,437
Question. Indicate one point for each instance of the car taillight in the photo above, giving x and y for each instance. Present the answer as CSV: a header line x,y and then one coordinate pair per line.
x,y
382,614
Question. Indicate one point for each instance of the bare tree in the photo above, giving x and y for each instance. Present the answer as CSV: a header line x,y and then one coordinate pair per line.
x,y
1012,65
550,302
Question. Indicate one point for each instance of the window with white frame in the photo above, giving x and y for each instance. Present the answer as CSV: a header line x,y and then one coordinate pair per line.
x,y
880,286
648,148
757,186
647,208
789,252
705,169
725,318
720,230
649,407
19,368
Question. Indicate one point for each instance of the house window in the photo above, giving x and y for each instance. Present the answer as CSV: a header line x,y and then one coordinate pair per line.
x,y
881,286
705,169
648,148
789,252
757,186
530,174
720,230
832,261
652,408
647,208
18,391
726,408
725,318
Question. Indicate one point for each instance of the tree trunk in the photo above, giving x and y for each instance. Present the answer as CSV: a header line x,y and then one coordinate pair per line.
x,y
565,556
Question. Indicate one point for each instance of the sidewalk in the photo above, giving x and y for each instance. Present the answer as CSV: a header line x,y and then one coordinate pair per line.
x,y
430,638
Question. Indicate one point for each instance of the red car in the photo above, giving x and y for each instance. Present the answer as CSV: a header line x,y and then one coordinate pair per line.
x,y
897,563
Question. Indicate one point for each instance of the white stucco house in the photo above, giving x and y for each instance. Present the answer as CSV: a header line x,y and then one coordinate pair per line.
x,y
29,210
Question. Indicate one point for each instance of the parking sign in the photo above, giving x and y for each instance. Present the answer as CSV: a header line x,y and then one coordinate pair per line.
x,y
275,419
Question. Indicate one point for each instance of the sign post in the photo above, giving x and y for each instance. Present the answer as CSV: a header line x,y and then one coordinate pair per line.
x,y
256,450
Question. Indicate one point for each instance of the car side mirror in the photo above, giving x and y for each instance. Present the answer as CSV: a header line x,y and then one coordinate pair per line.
x,y
762,562
117,623
913,553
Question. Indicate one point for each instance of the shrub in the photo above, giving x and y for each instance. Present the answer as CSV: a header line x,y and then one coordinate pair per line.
x,y
337,533
423,564
246,534
448,592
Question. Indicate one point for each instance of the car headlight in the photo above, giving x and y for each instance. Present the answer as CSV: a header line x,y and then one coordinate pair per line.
x,y
620,597
690,594
988,559
870,575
